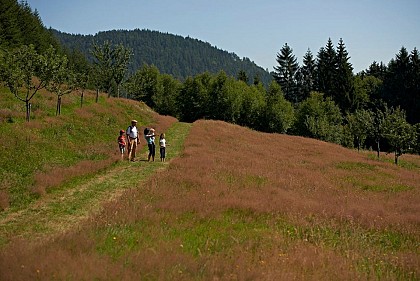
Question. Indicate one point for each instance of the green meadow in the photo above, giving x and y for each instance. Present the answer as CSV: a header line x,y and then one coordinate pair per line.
x,y
230,203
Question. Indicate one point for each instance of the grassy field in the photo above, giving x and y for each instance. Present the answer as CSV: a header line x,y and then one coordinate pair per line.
x,y
230,204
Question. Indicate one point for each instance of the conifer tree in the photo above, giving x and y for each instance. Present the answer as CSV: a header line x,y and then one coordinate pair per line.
x,y
413,111
308,75
377,70
397,80
344,94
242,76
285,72
326,70
10,34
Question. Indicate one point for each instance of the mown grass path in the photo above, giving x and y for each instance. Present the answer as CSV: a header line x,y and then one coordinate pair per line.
x,y
66,206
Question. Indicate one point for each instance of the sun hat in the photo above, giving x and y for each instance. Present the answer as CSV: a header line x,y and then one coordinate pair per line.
x,y
133,121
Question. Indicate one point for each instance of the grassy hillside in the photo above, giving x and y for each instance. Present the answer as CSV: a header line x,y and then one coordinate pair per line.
x,y
234,205
51,150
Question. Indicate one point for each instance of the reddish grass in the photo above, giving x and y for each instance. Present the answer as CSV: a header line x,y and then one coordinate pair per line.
x,y
56,176
4,200
226,167
298,176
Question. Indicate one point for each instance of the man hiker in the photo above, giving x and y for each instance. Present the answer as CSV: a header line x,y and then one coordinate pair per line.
x,y
133,140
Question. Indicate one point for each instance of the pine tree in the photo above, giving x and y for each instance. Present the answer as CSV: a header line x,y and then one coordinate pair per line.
x,y
242,76
344,94
377,70
397,80
326,70
285,72
10,34
413,111
308,75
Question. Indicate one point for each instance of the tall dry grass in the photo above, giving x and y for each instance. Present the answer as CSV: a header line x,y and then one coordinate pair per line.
x,y
244,205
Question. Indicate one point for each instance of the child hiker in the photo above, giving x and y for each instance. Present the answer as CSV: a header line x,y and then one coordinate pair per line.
x,y
150,138
162,144
122,143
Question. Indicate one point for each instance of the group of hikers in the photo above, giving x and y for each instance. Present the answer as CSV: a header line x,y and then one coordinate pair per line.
x,y
130,139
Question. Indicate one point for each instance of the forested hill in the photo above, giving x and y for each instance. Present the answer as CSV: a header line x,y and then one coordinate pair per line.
x,y
172,54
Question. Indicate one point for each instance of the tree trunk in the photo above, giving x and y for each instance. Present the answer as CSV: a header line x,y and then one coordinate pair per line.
x,y
378,150
97,95
28,110
58,109
81,99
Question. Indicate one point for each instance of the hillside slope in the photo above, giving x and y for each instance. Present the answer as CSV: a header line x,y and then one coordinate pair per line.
x,y
239,204
171,54
50,150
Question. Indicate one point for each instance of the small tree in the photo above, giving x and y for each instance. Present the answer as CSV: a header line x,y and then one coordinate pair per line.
x,y
360,125
111,64
416,128
82,72
399,133
320,118
103,66
62,81
20,67
167,95
120,58
144,84
377,132
81,82
253,105
279,112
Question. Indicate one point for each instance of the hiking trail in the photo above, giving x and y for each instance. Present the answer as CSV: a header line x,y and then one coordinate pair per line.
x,y
62,209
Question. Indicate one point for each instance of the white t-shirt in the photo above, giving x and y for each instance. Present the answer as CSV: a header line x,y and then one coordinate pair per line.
x,y
132,132
162,143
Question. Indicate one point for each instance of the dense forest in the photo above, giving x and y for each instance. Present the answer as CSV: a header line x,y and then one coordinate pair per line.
x,y
171,54
377,108
19,25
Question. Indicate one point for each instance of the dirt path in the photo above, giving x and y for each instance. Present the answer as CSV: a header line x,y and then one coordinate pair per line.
x,y
63,209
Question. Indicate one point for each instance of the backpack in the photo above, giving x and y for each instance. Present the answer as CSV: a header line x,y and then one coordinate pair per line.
x,y
146,131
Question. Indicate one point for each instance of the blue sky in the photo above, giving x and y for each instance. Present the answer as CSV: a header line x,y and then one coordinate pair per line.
x,y
372,30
